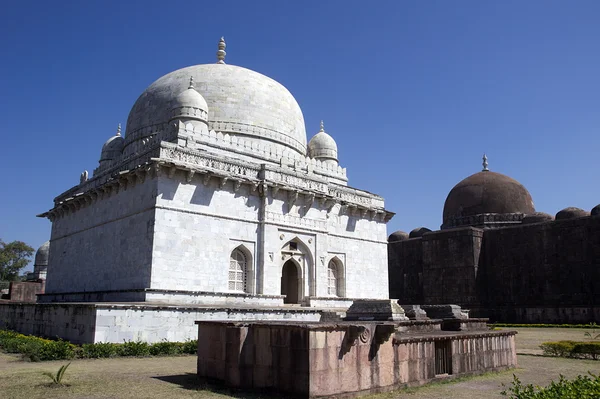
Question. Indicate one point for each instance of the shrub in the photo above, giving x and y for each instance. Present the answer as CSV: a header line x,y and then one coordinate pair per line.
x,y
166,348
572,349
590,325
36,348
99,350
190,347
560,348
587,349
56,350
582,387
134,348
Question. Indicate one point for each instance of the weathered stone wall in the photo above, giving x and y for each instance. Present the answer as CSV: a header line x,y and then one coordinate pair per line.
x,y
320,360
534,273
450,266
88,323
547,268
406,270
73,322
25,291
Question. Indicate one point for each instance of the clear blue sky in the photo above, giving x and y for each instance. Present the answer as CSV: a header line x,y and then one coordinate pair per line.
x,y
413,92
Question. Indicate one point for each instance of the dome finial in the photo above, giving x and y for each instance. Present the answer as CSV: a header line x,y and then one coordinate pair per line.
x,y
191,86
485,164
221,52
119,130
322,127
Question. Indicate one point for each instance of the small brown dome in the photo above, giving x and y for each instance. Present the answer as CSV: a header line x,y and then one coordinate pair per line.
x,y
596,210
537,217
398,236
571,213
418,232
487,193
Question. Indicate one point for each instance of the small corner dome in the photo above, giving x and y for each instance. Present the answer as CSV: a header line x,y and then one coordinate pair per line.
x,y
322,146
537,217
418,232
398,236
113,147
41,256
571,213
190,98
596,210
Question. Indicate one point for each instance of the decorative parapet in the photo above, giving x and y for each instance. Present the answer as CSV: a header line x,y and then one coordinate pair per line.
x,y
485,220
171,157
194,137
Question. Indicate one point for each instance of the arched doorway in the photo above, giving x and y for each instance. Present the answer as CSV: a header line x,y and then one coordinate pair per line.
x,y
289,282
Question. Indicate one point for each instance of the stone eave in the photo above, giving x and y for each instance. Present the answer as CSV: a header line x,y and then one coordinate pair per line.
x,y
261,177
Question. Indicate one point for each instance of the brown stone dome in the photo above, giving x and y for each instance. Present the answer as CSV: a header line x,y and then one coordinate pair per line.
x,y
571,213
418,232
486,193
596,210
398,236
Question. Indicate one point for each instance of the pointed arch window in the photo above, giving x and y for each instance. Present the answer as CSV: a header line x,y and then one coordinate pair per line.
x,y
333,278
238,266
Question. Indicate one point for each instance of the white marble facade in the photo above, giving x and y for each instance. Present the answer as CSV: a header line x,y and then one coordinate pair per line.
x,y
214,197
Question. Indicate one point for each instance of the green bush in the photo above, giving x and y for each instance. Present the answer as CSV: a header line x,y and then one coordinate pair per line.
x,y
190,347
572,349
587,349
590,325
37,349
99,350
582,387
166,348
134,348
56,350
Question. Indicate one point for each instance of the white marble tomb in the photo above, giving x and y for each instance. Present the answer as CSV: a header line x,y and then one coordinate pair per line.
x,y
214,197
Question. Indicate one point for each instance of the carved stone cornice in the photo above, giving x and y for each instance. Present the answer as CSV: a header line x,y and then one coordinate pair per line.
x,y
173,158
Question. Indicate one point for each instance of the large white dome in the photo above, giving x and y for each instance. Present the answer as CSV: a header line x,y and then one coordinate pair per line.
x,y
240,102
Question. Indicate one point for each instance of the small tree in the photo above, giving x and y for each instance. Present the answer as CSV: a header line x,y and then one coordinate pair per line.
x,y
14,256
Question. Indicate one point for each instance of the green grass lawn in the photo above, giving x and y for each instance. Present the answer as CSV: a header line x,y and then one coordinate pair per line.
x,y
174,377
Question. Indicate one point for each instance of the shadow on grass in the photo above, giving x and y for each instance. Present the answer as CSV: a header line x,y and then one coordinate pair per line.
x,y
192,382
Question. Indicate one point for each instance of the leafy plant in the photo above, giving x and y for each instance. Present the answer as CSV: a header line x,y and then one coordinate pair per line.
x,y
590,325
57,379
593,336
190,347
582,387
99,350
39,349
134,348
572,349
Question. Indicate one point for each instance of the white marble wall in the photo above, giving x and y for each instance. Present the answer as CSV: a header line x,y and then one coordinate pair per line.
x,y
105,245
197,227
117,323
173,233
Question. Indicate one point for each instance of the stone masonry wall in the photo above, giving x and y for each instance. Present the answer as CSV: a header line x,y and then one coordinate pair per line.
x,y
89,323
197,228
406,270
450,266
544,267
320,360
106,245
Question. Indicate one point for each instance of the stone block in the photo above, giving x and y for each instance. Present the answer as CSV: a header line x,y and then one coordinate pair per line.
x,y
414,312
444,312
375,310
